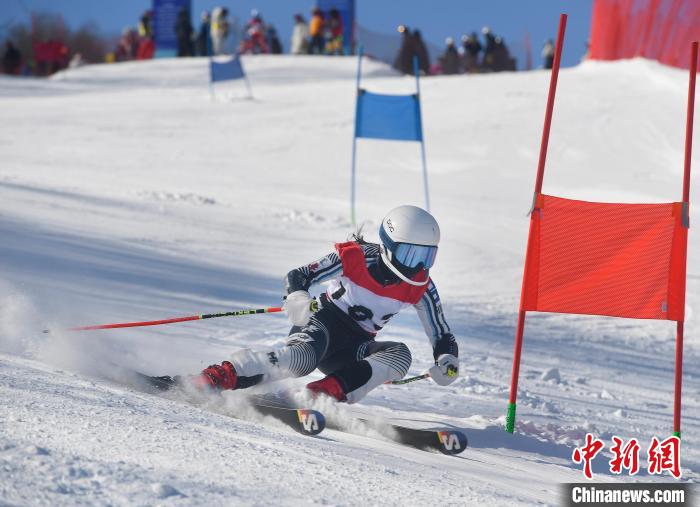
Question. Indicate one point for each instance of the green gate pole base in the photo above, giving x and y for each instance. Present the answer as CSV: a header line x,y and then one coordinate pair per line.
x,y
510,418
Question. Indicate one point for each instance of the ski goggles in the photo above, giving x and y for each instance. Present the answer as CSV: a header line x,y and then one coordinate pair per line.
x,y
408,254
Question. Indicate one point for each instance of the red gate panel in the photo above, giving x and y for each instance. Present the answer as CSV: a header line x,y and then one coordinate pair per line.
x,y
621,260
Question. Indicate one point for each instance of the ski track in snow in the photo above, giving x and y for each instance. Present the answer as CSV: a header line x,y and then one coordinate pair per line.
x,y
127,193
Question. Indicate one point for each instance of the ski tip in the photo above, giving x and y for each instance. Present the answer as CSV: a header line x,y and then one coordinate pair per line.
x,y
451,442
311,422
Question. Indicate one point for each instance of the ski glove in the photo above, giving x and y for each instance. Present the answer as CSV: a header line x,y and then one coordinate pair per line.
x,y
446,370
299,306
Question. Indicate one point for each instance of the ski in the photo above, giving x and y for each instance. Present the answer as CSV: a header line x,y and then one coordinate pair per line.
x,y
446,441
305,421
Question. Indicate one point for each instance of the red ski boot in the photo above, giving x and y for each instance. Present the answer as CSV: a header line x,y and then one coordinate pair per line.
x,y
219,377
330,386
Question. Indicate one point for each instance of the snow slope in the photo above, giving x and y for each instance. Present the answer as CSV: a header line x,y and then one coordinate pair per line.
x,y
127,193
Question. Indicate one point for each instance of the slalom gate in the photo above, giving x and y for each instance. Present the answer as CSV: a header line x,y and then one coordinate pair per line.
x,y
612,259
388,117
230,69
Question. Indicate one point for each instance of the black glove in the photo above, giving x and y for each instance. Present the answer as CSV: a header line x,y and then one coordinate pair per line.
x,y
445,352
446,345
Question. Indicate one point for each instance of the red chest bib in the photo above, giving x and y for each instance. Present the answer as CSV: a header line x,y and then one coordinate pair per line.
x,y
355,269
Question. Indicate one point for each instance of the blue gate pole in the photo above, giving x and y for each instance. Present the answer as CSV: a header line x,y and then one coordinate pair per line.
x,y
354,137
422,141
211,78
245,77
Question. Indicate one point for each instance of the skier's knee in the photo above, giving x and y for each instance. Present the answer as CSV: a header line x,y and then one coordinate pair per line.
x,y
394,355
303,358
386,361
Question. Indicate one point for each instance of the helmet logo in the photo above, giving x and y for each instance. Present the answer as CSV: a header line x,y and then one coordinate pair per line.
x,y
389,224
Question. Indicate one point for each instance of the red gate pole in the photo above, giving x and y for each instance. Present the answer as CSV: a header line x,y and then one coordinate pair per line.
x,y
517,349
686,201
550,103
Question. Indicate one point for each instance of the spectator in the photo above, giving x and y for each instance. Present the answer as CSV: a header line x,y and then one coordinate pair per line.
x,y
548,54
146,47
204,36
472,47
421,52
128,45
254,41
404,59
219,29
449,61
76,61
501,56
300,34
273,41
11,59
183,33
487,63
146,25
334,33
316,32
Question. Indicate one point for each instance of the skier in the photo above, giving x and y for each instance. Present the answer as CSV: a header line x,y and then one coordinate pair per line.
x,y
369,284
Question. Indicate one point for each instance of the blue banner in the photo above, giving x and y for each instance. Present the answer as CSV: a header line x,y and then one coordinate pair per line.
x,y
228,70
347,13
393,117
164,18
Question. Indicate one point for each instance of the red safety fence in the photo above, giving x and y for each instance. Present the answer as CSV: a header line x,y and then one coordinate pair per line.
x,y
661,30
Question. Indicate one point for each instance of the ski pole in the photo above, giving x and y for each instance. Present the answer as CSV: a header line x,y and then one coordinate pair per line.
x,y
408,380
237,313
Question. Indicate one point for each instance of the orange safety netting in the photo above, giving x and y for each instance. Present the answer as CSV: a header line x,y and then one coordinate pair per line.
x,y
621,260
658,29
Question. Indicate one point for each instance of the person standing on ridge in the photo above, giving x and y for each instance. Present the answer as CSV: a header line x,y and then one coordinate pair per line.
x,y
548,54
316,28
487,63
368,284
404,58
449,61
184,32
334,33
11,59
300,33
219,29
472,48
421,51
204,36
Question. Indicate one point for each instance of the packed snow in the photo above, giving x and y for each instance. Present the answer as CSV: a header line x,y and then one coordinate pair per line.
x,y
128,192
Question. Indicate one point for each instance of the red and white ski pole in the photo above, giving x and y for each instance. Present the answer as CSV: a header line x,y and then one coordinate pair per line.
x,y
236,313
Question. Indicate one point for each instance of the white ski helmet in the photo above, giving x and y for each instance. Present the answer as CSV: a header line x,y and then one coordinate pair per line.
x,y
410,237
